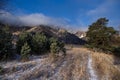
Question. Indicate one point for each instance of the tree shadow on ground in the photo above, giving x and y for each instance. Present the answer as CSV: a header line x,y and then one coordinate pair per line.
x,y
116,54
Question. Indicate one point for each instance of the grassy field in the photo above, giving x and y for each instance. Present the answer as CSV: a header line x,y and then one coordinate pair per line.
x,y
79,64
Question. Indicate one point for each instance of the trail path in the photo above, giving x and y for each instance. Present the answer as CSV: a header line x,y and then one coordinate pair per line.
x,y
91,70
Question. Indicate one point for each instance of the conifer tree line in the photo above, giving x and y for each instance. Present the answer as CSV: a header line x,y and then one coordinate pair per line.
x,y
28,44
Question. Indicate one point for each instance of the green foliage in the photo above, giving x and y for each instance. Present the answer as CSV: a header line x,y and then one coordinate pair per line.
x,y
56,47
5,44
1,70
23,38
52,40
39,43
99,35
25,51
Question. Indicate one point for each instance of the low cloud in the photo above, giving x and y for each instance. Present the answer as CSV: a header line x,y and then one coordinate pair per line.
x,y
8,18
38,19
32,20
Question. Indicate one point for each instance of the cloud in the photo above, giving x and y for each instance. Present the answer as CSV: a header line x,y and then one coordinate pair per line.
x,y
8,18
108,9
38,19
103,9
32,20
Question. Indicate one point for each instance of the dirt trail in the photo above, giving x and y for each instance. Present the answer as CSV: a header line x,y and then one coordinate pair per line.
x,y
76,65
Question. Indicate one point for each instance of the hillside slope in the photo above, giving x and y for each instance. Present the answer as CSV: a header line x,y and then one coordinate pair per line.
x,y
59,33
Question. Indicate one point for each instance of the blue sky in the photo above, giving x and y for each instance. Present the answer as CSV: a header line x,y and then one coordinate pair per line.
x,y
76,14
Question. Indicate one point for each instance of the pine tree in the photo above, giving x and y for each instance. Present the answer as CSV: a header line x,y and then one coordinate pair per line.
x,y
99,35
23,38
5,44
56,47
25,51
39,43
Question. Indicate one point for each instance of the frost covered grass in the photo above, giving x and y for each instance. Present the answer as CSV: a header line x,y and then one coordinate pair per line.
x,y
15,69
72,66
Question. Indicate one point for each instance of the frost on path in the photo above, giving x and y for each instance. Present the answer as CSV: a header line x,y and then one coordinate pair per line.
x,y
91,71
25,68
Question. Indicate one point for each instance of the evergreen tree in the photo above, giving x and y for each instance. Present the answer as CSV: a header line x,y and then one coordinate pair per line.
x,y
56,47
5,44
39,43
99,35
23,38
25,51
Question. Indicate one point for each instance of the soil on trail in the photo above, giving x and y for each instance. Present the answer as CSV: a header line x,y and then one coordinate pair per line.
x,y
76,65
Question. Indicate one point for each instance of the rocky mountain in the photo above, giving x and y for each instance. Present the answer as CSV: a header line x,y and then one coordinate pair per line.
x,y
61,34
80,34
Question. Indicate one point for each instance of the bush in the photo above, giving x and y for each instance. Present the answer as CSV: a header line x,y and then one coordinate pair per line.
x,y
56,47
25,37
39,43
5,44
25,51
1,70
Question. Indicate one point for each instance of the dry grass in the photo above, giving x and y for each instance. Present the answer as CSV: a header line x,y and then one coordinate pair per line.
x,y
104,65
74,66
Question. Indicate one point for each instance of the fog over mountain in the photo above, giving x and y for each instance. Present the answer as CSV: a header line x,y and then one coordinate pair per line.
x,y
36,19
32,20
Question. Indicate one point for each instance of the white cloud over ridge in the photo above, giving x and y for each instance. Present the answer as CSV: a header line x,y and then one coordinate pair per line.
x,y
8,18
39,19
32,20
